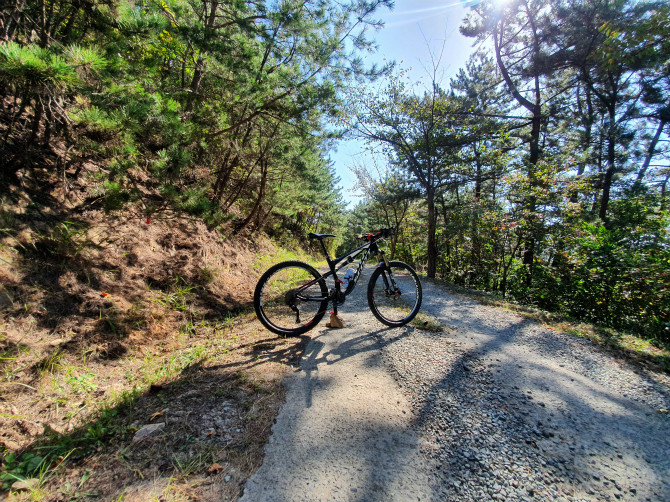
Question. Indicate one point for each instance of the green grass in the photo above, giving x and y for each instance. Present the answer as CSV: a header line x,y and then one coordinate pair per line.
x,y
51,363
178,298
426,322
265,261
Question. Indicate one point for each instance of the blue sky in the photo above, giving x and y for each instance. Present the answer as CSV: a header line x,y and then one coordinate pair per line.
x,y
413,30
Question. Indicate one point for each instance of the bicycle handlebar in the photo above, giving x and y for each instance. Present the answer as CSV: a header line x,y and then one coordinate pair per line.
x,y
379,234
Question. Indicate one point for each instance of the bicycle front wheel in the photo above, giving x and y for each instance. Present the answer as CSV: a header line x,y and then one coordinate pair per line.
x,y
394,293
290,299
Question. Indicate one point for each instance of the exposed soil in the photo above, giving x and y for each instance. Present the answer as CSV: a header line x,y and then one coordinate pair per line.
x,y
110,322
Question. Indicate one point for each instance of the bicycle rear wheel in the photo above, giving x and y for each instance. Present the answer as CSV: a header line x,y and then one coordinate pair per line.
x,y
282,302
394,294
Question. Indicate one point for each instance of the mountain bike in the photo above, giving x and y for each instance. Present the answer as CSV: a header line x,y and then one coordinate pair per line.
x,y
292,297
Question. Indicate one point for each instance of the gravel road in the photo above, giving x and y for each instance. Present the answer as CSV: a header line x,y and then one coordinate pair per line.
x,y
497,407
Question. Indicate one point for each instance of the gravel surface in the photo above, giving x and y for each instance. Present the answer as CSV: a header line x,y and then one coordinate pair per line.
x,y
497,407
512,410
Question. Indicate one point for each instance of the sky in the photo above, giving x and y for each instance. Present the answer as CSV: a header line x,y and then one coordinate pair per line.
x,y
413,30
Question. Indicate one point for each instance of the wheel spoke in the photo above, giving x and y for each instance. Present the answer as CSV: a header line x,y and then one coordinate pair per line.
x,y
395,295
285,301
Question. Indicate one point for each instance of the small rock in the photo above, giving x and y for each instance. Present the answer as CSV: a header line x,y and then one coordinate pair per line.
x,y
147,431
26,484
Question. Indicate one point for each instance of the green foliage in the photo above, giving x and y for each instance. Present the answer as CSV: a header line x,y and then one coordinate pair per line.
x,y
615,276
217,106
96,121
549,185
34,67
17,467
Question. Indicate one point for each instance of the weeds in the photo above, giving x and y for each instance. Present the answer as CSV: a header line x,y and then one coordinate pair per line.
x,y
72,492
154,371
21,467
206,275
265,261
177,299
51,363
82,382
191,464
426,322
66,240
31,468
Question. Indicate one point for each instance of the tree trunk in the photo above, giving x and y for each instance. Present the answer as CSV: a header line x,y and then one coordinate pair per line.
x,y
478,175
432,245
199,70
650,154
259,199
609,174
535,108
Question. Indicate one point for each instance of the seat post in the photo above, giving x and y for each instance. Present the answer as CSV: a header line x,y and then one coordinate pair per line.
x,y
325,251
332,268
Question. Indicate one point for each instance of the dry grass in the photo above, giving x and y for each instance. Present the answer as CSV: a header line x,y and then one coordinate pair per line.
x,y
108,324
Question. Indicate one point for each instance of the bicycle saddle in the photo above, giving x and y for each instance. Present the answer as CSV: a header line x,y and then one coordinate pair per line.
x,y
312,235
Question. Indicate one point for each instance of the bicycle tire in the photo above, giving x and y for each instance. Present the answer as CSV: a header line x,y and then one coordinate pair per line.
x,y
274,303
394,306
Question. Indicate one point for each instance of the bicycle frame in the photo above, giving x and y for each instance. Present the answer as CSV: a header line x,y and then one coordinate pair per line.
x,y
368,248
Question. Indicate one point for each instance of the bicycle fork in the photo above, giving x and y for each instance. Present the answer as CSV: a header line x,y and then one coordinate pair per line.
x,y
387,276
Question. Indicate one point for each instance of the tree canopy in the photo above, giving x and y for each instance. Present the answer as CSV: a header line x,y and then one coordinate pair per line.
x,y
218,105
541,170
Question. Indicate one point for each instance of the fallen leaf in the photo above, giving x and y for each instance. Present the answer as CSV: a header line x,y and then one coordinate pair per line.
x,y
215,469
156,415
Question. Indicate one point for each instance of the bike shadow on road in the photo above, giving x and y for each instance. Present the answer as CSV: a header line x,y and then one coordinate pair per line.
x,y
315,354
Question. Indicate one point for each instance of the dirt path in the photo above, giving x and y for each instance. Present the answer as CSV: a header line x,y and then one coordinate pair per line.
x,y
345,432
498,407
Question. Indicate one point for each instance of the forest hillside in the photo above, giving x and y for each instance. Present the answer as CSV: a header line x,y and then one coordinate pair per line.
x,y
108,321
157,156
